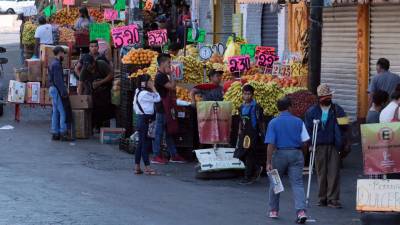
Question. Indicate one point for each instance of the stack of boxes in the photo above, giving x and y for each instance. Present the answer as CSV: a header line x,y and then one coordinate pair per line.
x,y
82,115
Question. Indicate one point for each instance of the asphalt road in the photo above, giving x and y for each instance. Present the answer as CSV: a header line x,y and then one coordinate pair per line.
x,y
86,183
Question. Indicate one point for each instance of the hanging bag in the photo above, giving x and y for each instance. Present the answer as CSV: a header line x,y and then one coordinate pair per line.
x,y
150,121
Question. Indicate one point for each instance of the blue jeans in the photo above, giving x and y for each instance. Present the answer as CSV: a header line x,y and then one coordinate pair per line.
x,y
291,161
142,126
160,131
58,117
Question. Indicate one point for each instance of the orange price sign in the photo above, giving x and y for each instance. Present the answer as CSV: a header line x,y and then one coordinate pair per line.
x,y
148,5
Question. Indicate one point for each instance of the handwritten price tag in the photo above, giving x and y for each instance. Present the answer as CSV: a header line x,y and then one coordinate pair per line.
x,y
177,70
157,37
276,69
69,2
110,14
286,70
266,60
123,36
148,5
239,63
265,50
248,49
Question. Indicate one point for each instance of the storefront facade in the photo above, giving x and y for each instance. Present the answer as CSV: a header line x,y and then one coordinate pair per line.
x,y
354,37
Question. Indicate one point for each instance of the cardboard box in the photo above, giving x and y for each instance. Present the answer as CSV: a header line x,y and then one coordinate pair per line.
x,y
47,56
111,135
82,123
45,76
34,70
16,91
81,101
21,74
45,98
32,93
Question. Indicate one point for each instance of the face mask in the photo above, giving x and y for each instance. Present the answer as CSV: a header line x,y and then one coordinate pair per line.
x,y
326,102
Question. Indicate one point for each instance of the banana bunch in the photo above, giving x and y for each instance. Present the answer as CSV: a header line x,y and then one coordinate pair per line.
x,y
28,34
267,95
191,50
234,95
152,69
290,90
192,69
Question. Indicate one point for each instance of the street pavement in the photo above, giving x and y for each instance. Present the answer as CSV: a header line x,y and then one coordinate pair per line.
x,y
86,183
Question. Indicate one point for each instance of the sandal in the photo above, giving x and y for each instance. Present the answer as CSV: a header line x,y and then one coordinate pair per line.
x,y
150,172
138,171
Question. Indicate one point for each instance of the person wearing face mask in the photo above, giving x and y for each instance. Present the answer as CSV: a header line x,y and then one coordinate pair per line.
x,y
328,146
58,92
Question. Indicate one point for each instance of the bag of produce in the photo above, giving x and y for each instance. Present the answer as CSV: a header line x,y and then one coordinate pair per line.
x,y
232,49
214,122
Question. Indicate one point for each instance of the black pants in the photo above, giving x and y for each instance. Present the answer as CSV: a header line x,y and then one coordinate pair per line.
x,y
250,161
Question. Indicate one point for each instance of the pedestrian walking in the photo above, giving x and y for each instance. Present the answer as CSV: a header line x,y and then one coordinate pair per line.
x,y
251,132
286,137
145,98
379,100
328,145
166,87
58,92
384,80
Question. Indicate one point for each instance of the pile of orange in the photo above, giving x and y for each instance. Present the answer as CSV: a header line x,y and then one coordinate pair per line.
x,y
183,94
139,56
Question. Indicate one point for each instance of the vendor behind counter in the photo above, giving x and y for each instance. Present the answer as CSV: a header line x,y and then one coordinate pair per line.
x,y
212,91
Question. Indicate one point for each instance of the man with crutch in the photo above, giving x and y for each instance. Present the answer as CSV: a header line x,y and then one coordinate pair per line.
x,y
328,143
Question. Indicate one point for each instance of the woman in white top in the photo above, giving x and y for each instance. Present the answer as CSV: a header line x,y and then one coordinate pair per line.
x,y
388,113
84,20
143,104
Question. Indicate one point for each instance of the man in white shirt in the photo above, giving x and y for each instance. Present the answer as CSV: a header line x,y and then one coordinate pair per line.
x,y
388,113
43,34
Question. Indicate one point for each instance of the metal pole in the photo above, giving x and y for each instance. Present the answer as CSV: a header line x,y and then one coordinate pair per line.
x,y
314,64
312,159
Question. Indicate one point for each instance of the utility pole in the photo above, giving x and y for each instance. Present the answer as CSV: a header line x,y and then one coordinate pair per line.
x,y
314,63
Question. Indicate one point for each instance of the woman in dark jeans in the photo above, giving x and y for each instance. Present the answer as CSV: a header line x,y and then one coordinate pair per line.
x,y
143,104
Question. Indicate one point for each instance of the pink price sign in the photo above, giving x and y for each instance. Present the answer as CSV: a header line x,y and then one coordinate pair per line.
x,y
266,60
126,35
69,2
239,63
110,14
157,37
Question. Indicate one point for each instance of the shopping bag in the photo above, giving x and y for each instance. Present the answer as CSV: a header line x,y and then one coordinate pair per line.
x,y
214,122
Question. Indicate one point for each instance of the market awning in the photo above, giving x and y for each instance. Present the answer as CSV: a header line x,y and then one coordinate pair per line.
x,y
257,1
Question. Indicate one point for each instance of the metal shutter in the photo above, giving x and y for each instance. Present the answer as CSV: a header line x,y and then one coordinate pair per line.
x,y
269,29
228,8
385,36
339,55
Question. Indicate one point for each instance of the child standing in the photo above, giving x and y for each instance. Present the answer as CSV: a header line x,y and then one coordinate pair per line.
x,y
145,98
251,130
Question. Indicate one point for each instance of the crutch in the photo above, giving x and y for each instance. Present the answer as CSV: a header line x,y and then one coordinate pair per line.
x,y
312,158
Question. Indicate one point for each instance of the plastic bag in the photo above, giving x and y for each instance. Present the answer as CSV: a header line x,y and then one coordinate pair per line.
x,y
232,49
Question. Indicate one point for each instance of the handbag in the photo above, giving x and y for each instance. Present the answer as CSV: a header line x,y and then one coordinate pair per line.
x,y
169,104
151,131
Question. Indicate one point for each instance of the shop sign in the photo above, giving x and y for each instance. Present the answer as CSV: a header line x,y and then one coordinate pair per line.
x,y
239,63
265,50
49,10
126,35
248,49
29,11
148,6
110,14
266,60
381,148
119,5
196,35
380,195
177,70
69,2
99,30
157,37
